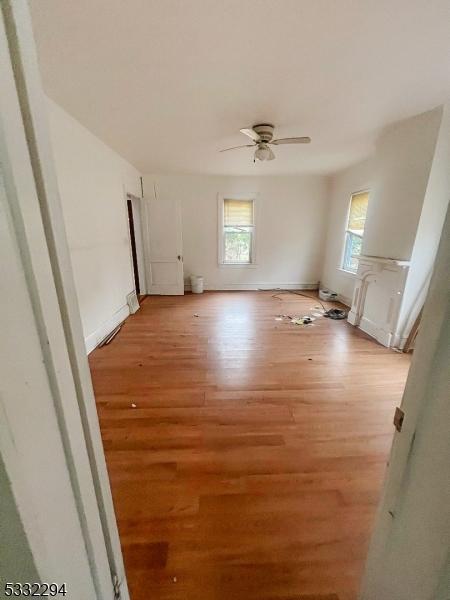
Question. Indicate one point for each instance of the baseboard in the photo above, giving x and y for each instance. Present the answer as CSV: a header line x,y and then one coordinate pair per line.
x,y
385,338
352,317
372,329
399,341
93,339
256,286
369,327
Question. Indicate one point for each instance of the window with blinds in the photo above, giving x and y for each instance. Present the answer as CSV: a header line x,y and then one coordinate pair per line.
x,y
238,231
355,230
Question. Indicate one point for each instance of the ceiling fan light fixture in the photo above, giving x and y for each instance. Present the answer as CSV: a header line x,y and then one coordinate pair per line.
x,y
262,137
262,152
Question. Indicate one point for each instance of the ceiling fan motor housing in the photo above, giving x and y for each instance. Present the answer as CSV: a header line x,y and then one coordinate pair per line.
x,y
265,131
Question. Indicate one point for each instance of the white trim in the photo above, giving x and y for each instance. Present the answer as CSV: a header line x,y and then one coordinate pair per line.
x,y
94,338
146,242
400,340
373,329
142,225
257,286
32,186
383,260
133,302
127,228
238,265
220,200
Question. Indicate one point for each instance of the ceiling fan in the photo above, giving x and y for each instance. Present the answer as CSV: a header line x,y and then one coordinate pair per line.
x,y
262,139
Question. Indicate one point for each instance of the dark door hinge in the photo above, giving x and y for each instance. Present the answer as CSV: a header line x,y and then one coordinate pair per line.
x,y
399,417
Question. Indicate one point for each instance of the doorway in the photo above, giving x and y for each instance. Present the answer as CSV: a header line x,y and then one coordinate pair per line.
x,y
136,243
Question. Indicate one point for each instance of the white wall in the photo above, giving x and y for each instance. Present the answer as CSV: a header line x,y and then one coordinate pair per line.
x,y
340,188
397,176
295,215
93,181
403,157
431,221
291,219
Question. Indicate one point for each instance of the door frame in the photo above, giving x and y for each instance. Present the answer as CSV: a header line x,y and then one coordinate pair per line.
x,y
140,250
32,189
134,258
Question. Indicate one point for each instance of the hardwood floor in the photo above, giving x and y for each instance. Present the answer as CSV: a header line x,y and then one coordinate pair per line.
x,y
252,464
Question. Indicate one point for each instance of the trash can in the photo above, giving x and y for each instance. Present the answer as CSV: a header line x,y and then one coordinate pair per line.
x,y
197,284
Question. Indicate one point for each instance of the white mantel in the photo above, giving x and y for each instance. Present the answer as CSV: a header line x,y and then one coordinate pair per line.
x,y
377,297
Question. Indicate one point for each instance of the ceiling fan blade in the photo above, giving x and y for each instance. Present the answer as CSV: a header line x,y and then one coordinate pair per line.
x,y
251,134
236,147
293,140
271,155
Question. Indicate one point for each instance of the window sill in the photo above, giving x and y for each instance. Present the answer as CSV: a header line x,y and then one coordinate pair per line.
x,y
239,265
351,273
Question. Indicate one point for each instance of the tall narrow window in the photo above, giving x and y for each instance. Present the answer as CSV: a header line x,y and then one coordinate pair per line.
x,y
355,230
238,232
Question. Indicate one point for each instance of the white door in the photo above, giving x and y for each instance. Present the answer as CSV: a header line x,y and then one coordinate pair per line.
x,y
409,558
50,446
31,444
165,246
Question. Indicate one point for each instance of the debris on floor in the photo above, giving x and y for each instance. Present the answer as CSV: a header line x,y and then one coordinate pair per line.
x,y
196,315
133,406
317,311
335,313
305,320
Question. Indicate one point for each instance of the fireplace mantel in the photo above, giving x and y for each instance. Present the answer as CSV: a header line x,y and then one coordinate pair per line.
x,y
378,294
382,259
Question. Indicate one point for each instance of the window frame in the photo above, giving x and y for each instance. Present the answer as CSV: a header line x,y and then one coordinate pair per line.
x,y
348,232
220,230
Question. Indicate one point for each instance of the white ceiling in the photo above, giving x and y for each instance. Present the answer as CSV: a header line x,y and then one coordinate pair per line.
x,y
167,83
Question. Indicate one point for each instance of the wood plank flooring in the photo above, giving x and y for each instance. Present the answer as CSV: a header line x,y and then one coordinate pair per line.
x,y
252,464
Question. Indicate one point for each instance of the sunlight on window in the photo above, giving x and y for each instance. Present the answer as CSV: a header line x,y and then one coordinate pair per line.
x,y
237,242
355,230
238,231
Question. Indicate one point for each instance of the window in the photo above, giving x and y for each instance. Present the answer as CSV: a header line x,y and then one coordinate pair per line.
x,y
355,230
237,235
